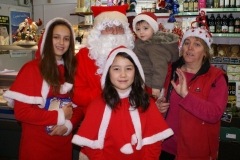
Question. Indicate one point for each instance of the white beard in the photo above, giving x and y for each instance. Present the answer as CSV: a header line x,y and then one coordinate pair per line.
x,y
101,46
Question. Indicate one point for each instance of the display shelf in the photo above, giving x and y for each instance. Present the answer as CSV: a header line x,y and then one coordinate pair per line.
x,y
82,14
226,60
208,10
232,35
222,10
18,47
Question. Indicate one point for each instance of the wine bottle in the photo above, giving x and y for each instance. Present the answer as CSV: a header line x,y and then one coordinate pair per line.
x,y
185,6
218,24
237,3
195,6
211,24
224,24
190,6
209,3
231,23
216,3
226,3
232,4
221,4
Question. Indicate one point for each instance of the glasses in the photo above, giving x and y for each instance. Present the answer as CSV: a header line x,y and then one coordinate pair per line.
x,y
113,30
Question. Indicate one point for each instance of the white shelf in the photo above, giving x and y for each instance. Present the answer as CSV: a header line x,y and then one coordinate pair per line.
x,y
18,47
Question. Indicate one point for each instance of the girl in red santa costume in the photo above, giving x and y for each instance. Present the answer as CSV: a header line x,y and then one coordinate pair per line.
x,y
38,81
127,124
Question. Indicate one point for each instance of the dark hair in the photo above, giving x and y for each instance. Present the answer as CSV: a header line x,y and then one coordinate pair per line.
x,y
138,97
48,64
140,22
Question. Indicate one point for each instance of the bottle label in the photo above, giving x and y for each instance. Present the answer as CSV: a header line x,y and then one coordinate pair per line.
x,y
232,2
221,5
185,6
195,6
226,3
231,29
190,6
218,28
212,29
237,3
224,29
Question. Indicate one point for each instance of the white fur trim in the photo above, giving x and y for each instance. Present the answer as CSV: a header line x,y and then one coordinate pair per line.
x,y
66,87
146,18
158,137
44,92
104,125
47,27
134,139
81,141
112,57
110,15
137,126
127,149
69,126
61,117
10,96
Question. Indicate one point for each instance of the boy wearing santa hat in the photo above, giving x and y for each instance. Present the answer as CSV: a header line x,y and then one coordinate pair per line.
x,y
110,29
155,50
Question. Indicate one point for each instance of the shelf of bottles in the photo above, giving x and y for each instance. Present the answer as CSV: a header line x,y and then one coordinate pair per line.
x,y
230,35
210,10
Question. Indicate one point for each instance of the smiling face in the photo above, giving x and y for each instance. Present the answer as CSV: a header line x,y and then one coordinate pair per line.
x,y
143,30
193,51
60,40
121,73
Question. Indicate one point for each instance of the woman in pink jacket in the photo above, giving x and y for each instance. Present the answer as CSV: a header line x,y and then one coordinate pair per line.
x,y
196,97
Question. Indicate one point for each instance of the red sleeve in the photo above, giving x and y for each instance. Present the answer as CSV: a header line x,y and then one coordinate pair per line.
x,y
76,117
32,114
87,83
209,110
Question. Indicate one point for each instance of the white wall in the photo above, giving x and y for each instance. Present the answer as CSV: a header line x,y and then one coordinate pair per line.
x,y
57,8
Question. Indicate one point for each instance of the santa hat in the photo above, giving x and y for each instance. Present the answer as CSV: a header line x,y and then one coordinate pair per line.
x,y
199,32
149,17
44,35
111,58
106,13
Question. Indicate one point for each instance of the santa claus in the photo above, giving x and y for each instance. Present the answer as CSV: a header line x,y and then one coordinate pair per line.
x,y
110,30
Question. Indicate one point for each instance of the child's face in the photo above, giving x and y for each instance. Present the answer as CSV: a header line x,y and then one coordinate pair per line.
x,y
122,73
61,40
144,31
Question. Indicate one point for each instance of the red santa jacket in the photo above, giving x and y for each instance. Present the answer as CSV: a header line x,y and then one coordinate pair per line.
x,y
125,133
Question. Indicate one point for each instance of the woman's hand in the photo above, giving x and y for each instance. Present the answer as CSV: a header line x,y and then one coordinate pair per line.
x,y
181,88
162,105
68,111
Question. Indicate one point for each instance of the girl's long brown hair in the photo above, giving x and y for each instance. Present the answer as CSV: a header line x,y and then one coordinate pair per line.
x,y
48,64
